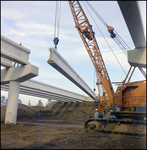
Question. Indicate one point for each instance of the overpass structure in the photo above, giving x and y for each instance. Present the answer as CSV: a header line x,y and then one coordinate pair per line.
x,y
18,69
15,79
12,52
39,89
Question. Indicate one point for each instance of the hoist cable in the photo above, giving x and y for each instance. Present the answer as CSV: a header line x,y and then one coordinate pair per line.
x,y
118,40
105,40
57,24
94,79
122,40
55,20
124,52
104,22
59,20
123,46
97,14
120,47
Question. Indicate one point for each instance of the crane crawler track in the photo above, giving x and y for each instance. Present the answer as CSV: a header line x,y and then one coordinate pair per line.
x,y
116,126
122,133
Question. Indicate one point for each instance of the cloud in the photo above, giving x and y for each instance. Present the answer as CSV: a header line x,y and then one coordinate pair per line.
x,y
80,52
34,26
18,33
50,75
12,15
36,63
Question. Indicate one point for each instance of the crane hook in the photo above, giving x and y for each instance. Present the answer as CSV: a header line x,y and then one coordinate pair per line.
x,y
56,41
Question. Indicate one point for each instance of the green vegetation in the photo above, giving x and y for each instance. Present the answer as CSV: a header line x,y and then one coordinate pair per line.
x,y
29,104
40,103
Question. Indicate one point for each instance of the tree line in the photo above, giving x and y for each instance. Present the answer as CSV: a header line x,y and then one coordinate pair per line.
x,y
4,102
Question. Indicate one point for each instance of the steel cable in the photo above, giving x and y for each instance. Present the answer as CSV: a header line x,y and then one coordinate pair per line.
x,y
105,24
55,20
59,20
57,24
105,40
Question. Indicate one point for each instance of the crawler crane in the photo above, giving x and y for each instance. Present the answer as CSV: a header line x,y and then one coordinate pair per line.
x,y
123,111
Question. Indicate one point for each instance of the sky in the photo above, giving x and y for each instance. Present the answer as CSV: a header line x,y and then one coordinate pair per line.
x,y
32,24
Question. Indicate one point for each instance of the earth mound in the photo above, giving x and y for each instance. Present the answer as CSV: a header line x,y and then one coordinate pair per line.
x,y
54,111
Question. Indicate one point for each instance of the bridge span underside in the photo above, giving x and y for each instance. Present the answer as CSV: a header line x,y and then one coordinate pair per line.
x,y
38,89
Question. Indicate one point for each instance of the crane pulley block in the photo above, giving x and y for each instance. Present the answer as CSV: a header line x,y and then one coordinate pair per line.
x,y
110,30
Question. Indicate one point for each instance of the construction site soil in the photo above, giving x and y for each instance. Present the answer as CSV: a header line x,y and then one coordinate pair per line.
x,y
60,125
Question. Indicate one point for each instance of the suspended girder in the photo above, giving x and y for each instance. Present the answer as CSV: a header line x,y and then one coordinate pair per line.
x,y
60,64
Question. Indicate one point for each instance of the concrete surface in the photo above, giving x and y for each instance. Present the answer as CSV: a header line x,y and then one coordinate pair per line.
x,y
13,51
12,103
137,57
132,15
21,73
6,63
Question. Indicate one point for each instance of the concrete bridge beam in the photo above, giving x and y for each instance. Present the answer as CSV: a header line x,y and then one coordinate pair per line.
x,y
13,51
6,62
137,57
60,64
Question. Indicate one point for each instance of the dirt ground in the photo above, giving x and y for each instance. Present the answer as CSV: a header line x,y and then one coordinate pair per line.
x,y
46,128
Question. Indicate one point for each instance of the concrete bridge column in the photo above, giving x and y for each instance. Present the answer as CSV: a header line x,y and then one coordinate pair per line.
x,y
13,52
12,103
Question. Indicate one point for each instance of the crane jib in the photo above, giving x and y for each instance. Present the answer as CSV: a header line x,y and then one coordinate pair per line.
x,y
88,37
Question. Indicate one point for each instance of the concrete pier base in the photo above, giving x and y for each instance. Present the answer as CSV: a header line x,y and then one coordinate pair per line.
x,y
12,103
